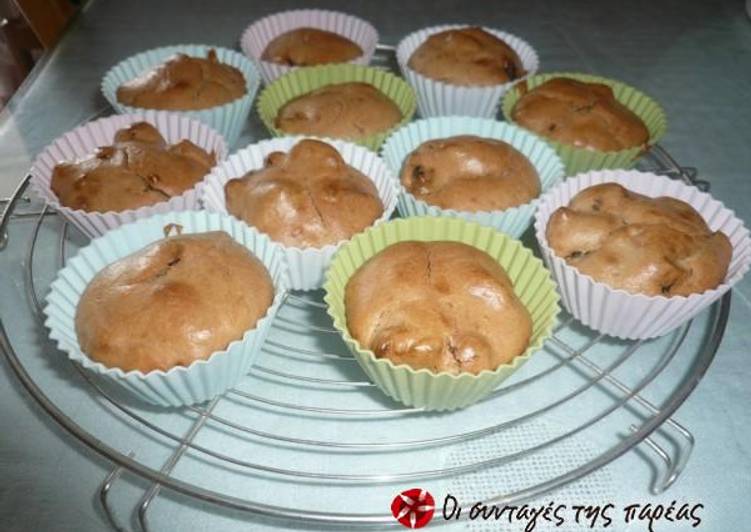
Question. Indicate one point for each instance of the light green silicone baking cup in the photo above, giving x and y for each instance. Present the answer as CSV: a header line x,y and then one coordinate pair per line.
x,y
423,388
304,80
579,160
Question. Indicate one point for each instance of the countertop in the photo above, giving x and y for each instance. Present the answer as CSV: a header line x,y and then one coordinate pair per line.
x,y
692,57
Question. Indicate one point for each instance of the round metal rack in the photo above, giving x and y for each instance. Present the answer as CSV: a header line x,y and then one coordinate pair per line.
x,y
306,425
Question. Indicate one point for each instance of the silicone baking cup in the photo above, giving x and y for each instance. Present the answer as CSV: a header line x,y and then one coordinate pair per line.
x,y
201,380
258,35
513,221
84,140
304,80
229,119
438,98
306,265
577,160
636,316
423,388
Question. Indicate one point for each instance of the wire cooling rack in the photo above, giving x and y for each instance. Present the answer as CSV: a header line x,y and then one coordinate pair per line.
x,y
307,438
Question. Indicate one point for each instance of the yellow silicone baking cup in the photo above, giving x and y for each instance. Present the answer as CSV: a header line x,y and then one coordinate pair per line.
x,y
578,160
423,388
304,80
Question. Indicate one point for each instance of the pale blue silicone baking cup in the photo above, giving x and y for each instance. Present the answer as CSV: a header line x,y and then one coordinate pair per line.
x,y
182,385
513,221
229,119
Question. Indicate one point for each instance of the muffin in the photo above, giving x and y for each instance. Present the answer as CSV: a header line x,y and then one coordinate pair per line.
x,y
352,111
580,114
467,56
308,197
175,301
652,246
470,173
139,169
443,306
184,83
310,46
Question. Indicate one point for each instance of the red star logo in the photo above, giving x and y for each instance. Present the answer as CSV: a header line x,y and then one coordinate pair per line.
x,y
413,508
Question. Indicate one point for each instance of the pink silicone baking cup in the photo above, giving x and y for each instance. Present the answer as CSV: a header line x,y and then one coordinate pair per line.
x,y
260,33
307,266
84,140
437,98
616,312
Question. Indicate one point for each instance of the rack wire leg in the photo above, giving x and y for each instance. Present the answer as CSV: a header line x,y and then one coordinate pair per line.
x,y
672,467
145,503
104,491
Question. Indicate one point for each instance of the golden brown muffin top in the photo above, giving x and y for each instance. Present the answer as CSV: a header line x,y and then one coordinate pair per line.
x,y
470,173
467,56
653,246
310,46
344,110
183,83
175,301
442,306
580,114
308,197
139,169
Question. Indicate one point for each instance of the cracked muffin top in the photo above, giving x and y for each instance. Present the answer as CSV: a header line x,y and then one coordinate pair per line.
x,y
310,46
139,169
580,114
308,197
344,110
175,301
467,56
442,306
184,83
653,246
470,173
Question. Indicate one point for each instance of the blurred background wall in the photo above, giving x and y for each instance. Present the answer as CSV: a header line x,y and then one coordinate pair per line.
x,y
27,28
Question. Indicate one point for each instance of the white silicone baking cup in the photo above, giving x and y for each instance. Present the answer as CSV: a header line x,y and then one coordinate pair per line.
x,y
182,385
306,265
84,141
512,221
636,316
229,119
260,33
437,98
